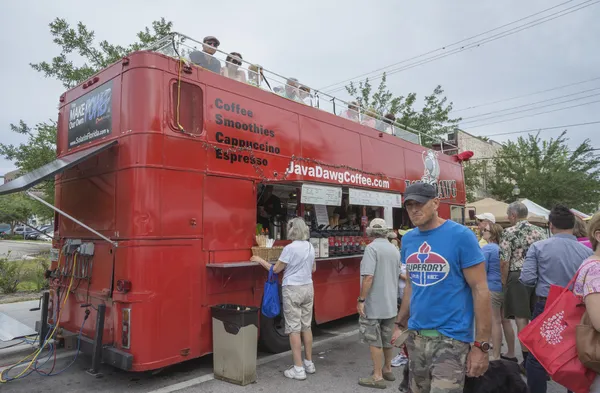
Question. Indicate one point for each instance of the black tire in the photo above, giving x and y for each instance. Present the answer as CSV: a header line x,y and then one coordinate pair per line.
x,y
272,336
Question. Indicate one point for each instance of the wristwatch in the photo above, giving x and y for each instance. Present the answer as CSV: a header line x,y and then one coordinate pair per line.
x,y
361,300
484,346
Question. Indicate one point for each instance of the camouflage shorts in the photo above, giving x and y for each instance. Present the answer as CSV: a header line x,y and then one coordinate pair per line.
x,y
436,364
376,332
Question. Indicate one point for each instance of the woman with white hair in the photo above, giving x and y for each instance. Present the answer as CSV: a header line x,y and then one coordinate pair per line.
x,y
297,261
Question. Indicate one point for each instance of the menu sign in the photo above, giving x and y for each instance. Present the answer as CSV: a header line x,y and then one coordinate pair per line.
x,y
322,215
321,195
374,198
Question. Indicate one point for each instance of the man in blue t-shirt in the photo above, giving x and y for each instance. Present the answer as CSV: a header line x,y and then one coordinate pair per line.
x,y
445,289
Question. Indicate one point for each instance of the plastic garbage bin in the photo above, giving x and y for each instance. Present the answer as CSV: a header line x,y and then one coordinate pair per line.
x,y
235,340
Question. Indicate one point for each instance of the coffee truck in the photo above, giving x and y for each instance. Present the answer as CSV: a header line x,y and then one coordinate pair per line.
x,y
161,171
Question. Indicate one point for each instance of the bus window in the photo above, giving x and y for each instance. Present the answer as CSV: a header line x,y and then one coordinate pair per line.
x,y
187,102
457,214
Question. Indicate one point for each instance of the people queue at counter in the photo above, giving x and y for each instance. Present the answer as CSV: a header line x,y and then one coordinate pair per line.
x,y
292,90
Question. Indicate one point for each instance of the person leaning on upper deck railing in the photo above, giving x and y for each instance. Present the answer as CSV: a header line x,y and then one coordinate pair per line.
x,y
290,91
369,118
305,95
231,69
297,261
386,124
205,58
255,75
352,112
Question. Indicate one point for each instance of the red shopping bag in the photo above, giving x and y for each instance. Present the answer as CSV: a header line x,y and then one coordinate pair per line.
x,y
551,339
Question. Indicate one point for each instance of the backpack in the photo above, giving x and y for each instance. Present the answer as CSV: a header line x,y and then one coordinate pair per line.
x,y
270,305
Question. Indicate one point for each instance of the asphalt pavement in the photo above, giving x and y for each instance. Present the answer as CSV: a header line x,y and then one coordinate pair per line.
x,y
339,357
18,249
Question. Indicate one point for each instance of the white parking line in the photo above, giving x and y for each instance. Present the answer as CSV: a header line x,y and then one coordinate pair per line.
x,y
267,359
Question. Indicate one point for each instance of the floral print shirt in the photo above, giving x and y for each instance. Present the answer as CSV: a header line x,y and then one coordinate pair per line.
x,y
516,241
588,280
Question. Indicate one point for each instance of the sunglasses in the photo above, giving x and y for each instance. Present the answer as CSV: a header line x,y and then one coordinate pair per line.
x,y
212,43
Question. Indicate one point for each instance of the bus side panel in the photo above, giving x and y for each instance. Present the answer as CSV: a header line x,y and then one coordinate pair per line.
x,y
337,286
165,301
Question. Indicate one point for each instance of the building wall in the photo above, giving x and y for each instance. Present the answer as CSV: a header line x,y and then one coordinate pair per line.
x,y
11,176
481,149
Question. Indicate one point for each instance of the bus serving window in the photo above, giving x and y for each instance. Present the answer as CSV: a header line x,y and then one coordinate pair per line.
x,y
457,214
187,102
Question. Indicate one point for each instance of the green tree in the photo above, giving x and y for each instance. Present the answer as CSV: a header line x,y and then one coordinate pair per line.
x,y
78,42
548,172
432,121
15,209
473,181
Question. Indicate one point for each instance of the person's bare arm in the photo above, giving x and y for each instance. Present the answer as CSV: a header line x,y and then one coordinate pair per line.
x,y
279,266
477,280
503,271
404,313
592,305
477,360
314,268
367,283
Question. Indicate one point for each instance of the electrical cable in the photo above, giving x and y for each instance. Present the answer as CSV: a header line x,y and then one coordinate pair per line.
x,y
535,114
526,95
526,110
479,43
540,129
36,354
444,47
533,103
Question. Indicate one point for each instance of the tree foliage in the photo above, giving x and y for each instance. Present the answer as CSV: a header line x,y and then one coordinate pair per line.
x,y
433,120
77,42
473,171
81,41
548,172
15,209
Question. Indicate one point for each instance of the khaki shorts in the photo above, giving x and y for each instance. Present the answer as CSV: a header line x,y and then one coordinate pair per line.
x,y
497,299
297,307
376,332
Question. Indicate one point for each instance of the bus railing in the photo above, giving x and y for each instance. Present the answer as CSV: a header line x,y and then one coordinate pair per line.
x,y
179,46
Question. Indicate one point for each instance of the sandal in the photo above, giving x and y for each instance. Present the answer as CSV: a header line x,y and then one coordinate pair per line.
x,y
371,383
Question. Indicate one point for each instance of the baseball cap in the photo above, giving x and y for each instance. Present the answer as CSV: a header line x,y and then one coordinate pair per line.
x,y
486,216
378,223
420,192
211,38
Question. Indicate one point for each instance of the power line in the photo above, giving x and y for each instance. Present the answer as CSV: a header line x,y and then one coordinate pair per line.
x,y
535,114
525,95
444,47
529,109
533,103
539,129
503,157
484,41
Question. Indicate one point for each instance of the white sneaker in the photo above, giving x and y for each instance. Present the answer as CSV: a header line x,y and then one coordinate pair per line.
x,y
292,373
399,360
309,368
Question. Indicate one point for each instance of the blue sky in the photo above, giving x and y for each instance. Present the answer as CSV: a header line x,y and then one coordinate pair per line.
x,y
324,42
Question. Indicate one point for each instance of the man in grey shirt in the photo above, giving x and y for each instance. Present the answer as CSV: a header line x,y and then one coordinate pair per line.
x,y
553,261
377,304
206,59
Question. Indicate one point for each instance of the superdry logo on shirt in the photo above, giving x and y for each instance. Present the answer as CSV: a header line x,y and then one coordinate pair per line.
x,y
426,267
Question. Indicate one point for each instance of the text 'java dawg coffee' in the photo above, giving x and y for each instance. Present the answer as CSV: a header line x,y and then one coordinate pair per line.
x,y
90,116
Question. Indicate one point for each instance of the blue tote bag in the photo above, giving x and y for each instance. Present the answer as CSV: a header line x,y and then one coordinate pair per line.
x,y
270,304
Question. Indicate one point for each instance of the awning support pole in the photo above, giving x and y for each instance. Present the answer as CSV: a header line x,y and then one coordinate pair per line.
x,y
71,218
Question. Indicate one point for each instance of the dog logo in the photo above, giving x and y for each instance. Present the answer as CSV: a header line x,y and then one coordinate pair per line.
x,y
427,268
431,174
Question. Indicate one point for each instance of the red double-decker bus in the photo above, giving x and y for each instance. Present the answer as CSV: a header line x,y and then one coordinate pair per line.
x,y
160,172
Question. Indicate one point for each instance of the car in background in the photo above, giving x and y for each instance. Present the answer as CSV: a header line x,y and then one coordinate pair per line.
x,y
4,230
36,235
23,231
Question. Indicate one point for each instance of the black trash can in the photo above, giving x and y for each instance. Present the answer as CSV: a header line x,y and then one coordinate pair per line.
x,y
235,335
